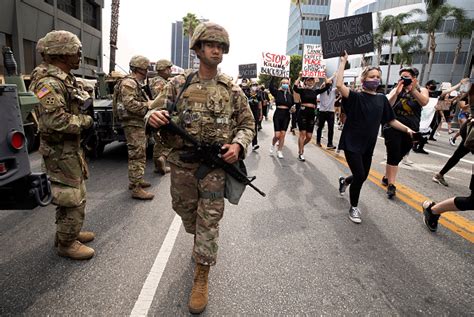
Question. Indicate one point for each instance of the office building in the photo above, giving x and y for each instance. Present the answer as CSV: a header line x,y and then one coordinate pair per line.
x,y
23,22
303,27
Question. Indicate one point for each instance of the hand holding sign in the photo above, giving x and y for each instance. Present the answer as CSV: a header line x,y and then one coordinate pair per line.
x,y
353,34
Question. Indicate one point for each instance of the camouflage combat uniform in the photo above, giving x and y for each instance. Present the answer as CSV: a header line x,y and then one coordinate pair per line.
x,y
135,103
212,111
60,126
159,149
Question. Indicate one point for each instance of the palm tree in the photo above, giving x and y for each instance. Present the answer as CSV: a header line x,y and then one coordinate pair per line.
x,y
397,26
408,48
379,39
437,12
463,30
298,4
190,22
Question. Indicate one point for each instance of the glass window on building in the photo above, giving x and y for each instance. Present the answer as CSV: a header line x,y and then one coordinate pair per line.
x,y
69,6
29,49
442,57
462,58
5,40
449,57
91,14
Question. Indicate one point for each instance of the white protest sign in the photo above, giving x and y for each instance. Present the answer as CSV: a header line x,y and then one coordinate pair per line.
x,y
313,64
277,65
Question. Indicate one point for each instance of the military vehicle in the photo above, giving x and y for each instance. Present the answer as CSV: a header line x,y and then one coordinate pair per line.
x,y
107,129
27,100
19,187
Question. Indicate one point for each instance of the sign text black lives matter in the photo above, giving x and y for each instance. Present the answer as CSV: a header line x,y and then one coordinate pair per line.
x,y
353,34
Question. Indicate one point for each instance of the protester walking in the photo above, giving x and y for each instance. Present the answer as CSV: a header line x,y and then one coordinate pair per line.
x,y
365,111
326,114
307,111
281,117
407,100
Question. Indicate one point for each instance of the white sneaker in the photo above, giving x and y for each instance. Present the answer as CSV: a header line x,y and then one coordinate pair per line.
x,y
272,149
301,157
279,154
406,161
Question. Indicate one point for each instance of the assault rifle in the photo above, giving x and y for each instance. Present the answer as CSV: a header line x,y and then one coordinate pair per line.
x,y
210,157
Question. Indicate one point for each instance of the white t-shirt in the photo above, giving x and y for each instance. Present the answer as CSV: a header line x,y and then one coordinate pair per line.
x,y
327,100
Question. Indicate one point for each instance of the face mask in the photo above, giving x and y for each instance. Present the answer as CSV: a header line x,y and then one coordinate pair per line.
x,y
432,88
371,84
254,88
284,86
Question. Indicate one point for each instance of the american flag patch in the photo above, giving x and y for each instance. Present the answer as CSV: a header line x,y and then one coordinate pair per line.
x,y
43,92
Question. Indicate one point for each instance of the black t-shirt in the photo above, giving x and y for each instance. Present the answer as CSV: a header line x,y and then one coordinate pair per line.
x,y
365,112
254,99
408,110
309,95
282,98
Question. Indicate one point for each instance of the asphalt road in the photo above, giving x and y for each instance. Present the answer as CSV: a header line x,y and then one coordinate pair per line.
x,y
293,252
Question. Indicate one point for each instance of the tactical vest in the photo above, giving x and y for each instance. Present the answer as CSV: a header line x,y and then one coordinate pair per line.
x,y
118,108
207,111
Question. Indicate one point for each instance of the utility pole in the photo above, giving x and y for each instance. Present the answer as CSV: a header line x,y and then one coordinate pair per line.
x,y
113,33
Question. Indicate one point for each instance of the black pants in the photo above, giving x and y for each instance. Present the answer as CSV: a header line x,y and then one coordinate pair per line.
x,y
466,203
460,152
325,116
434,124
256,115
360,168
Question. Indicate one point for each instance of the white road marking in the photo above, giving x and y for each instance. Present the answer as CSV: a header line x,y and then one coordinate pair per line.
x,y
143,303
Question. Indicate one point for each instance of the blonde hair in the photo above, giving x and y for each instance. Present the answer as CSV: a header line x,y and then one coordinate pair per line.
x,y
367,69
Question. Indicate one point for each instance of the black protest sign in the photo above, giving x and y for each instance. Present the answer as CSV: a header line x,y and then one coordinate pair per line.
x,y
248,71
353,34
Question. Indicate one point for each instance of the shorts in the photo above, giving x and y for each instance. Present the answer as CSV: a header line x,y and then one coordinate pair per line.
x,y
463,115
306,119
398,145
448,116
281,119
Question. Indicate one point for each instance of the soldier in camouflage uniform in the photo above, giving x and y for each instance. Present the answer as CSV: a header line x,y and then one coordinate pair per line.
x,y
60,126
212,109
160,150
132,104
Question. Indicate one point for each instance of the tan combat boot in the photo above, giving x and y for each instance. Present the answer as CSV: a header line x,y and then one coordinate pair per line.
x,y
143,184
83,237
75,251
139,193
160,166
199,293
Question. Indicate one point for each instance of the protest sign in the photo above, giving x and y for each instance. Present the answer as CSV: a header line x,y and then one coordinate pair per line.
x,y
248,71
313,64
353,34
277,65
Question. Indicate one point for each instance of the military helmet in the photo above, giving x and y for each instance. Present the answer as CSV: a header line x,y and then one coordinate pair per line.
x,y
211,32
61,43
163,64
139,61
40,46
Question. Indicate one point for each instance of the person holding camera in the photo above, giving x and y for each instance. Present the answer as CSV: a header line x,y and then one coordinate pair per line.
x,y
407,100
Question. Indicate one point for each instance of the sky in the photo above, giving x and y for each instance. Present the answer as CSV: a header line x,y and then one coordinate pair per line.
x,y
144,28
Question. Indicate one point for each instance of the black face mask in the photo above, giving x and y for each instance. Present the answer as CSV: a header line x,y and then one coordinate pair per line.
x,y
432,88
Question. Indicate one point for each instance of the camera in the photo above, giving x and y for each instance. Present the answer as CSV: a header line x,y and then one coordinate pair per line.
x,y
406,81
